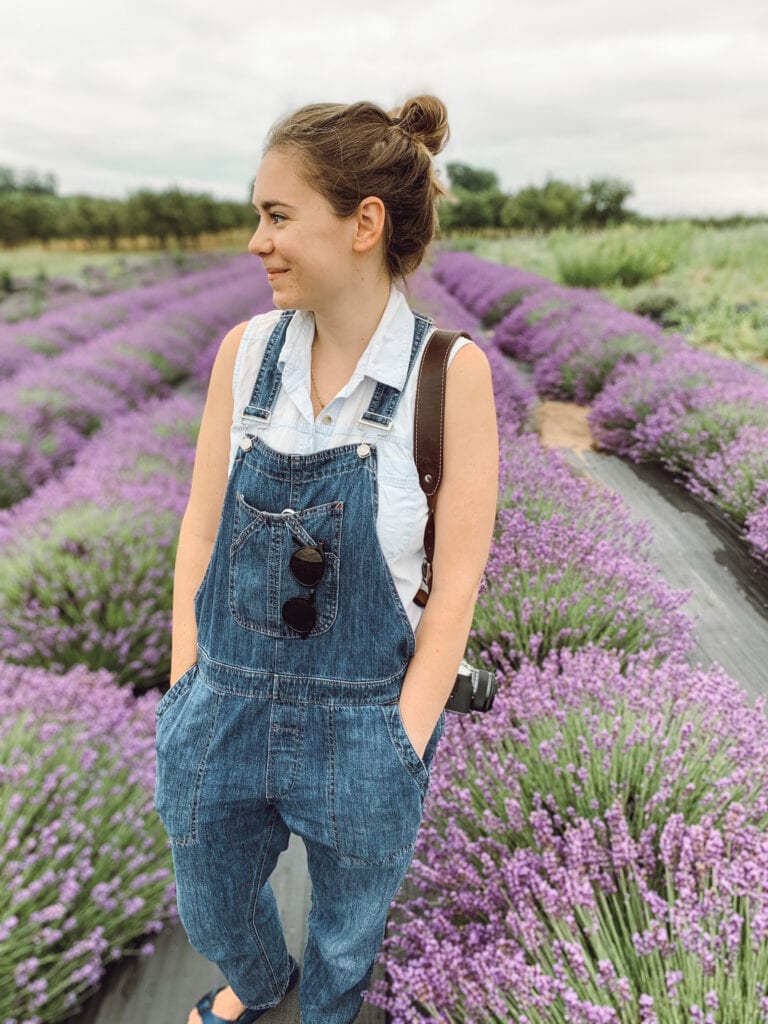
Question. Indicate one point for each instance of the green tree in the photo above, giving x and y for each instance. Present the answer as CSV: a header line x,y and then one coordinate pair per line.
x,y
465,210
555,204
12,227
604,202
41,213
472,179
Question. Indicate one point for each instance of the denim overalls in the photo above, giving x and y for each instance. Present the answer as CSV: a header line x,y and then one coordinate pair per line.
x,y
271,732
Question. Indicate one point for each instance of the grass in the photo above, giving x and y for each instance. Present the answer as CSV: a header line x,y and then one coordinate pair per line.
x,y
711,284
69,258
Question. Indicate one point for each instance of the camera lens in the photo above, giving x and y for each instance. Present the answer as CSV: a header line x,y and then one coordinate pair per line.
x,y
485,689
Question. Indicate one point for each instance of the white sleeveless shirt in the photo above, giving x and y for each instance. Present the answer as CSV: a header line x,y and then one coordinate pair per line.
x,y
293,428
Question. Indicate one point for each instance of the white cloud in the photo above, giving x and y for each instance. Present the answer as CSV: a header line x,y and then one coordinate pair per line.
x,y
669,95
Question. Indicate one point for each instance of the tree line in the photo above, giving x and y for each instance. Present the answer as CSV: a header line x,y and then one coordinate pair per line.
x,y
31,211
477,201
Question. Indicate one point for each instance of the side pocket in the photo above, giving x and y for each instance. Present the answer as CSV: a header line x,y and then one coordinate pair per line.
x,y
184,733
174,692
403,746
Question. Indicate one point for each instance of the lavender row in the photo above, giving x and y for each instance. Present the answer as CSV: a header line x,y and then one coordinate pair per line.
x,y
655,396
701,416
486,289
593,852
86,561
27,343
86,873
514,396
595,848
568,568
48,413
575,339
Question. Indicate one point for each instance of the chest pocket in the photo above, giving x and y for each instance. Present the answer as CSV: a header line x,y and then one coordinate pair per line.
x,y
260,579
402,507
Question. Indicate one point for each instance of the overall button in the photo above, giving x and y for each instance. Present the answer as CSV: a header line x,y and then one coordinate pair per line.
x,y
363,450
327,419
246,444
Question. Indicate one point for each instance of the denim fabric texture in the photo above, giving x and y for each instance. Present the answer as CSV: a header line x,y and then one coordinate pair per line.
x,y
271,732
294,428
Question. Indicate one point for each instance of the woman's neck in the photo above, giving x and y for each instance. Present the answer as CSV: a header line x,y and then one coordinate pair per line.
x,y
344,328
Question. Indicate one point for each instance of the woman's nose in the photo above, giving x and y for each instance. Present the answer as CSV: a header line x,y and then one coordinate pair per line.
x,y
259,242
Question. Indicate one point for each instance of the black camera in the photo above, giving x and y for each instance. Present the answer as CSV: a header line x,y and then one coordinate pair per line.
x,y
473,690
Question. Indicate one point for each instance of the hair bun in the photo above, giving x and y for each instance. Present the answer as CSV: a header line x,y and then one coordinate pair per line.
x,y
425,118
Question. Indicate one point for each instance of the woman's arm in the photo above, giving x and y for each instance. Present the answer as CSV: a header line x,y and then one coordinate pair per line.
x,y
465,513
200,523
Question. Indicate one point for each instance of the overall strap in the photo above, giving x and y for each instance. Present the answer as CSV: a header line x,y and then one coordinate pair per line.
x,y
270,375
384,401
428,438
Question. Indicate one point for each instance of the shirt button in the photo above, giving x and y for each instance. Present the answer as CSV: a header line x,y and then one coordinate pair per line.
x,y
327,419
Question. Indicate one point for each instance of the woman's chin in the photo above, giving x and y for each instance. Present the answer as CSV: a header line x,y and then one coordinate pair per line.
x,y
281,301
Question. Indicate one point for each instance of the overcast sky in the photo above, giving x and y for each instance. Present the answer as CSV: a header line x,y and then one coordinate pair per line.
x,y
670,95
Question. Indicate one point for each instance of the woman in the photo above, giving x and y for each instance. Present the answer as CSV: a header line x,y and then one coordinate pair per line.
x,y
310,687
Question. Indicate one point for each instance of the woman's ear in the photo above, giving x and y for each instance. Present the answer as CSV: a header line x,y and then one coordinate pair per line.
x,y
370,217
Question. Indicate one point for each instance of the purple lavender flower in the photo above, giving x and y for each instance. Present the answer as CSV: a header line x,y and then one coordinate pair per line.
x,y
529,893
486,289
29,342
77,828
86,562
48,412
568,568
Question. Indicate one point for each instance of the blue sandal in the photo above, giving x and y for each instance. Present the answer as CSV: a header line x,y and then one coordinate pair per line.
x,y
248,1016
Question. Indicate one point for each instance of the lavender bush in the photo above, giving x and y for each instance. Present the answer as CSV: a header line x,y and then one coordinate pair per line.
x,y
429,296
86,877
28,342
513,395
593,852
701,416
86,562
757,521
486,289
47,413
575,339
568,568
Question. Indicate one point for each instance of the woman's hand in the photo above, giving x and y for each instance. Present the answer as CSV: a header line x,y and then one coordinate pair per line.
x,y
419,725
180,675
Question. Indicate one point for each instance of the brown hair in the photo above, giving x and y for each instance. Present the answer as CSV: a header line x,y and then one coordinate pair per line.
x,y
352,151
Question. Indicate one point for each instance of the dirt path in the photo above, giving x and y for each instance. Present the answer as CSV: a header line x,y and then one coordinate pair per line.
x,y
564,425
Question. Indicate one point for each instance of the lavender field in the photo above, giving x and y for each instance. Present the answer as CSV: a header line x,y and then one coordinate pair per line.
x,y
595,850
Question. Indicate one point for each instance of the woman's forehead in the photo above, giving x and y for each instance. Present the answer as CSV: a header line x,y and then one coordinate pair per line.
x,y
279,179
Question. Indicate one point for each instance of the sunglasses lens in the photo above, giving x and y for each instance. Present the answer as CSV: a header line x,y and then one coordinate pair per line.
x,y
308,565
299,613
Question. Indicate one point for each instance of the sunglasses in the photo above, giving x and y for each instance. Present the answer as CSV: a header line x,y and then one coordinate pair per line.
x,y
307,566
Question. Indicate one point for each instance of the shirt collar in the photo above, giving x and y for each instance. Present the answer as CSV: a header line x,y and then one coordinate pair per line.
x,y
385,358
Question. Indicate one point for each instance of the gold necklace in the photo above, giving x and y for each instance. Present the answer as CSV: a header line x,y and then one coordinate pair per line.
x,y
312,378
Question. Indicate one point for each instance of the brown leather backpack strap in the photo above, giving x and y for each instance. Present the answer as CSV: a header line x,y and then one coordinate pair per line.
x,y
428,429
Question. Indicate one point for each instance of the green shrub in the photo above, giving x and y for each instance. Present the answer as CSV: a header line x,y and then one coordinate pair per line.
x,y
625,256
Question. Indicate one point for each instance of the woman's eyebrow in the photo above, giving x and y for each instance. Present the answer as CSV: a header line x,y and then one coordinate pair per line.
x,y
268,204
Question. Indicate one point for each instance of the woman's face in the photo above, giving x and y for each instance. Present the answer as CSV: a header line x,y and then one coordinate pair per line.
x,y
305,248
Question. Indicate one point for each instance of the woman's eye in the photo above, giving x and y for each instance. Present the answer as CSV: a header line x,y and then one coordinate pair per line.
x,y
278,218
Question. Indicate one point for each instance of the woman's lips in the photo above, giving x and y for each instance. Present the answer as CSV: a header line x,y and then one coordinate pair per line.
x,y
273,274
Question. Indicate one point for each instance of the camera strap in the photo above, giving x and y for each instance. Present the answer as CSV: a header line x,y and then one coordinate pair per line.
x,y
429,419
